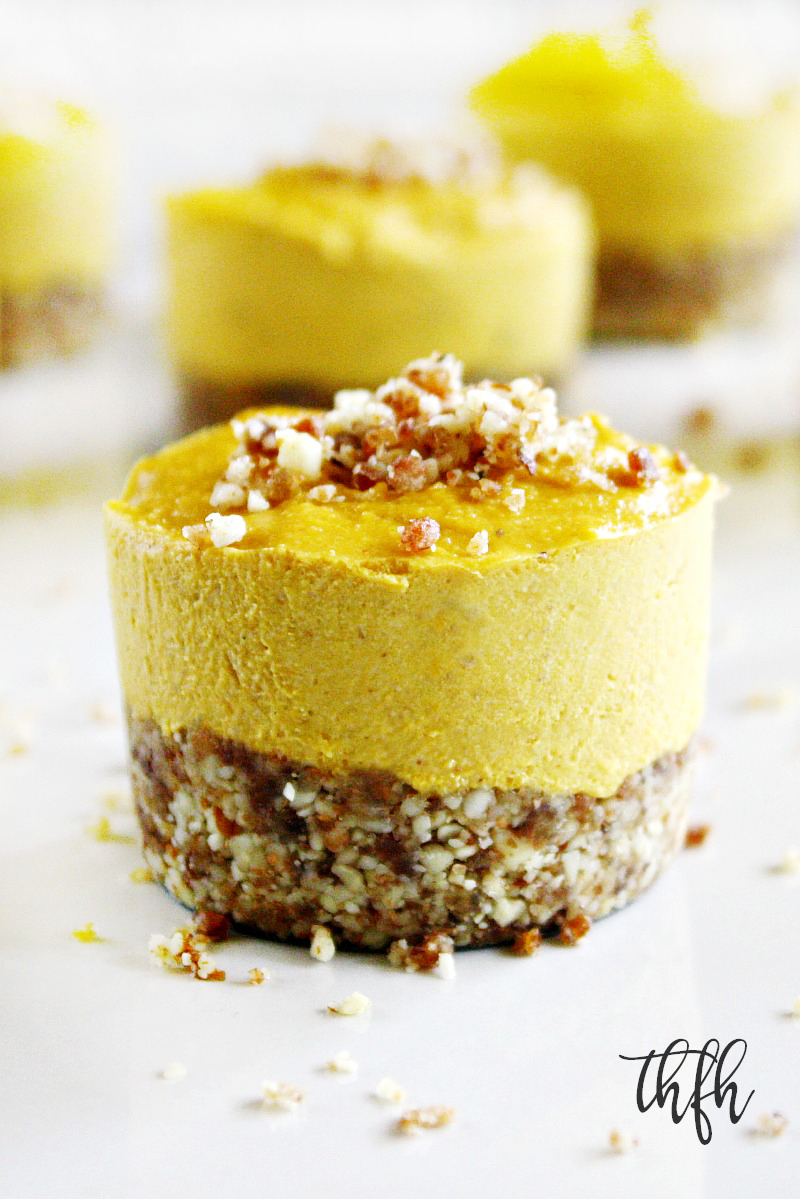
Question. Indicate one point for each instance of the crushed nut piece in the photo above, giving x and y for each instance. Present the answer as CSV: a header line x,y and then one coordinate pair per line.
x,y
479,544
771,1124
142,874
86,935
389,1091
696,835
225,530
196,534
185,950
527,943
281,1096
434,952
417,1119
173,1072
622,1141
355,1004
256,977
323,946
574,929
342,1063
101,830
420,534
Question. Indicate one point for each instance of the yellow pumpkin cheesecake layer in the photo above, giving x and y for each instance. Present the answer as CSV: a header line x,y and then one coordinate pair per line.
x,y
325,278
55,199
664,166
550,633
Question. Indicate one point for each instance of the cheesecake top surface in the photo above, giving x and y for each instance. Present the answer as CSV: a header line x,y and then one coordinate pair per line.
x,y
419,474
376,192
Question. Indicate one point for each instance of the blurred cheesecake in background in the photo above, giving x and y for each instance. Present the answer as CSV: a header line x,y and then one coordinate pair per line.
x,y
325,275
694,177
56,198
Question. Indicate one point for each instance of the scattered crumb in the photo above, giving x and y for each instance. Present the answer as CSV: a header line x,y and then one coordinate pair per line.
x,y
621,1141
196,534
574,929
281,1096
342,1063
420,534
417,1119
185,950
389,1091
527,943
354,1005
322,947
771,1124
142,874
479,544
86,934
104,713
433,954
515,500
101,830
256,977
781,697
173,1072
696,835
225,530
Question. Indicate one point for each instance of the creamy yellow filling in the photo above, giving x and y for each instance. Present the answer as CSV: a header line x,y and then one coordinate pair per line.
x,y
666,170
56,197
569,656
336,282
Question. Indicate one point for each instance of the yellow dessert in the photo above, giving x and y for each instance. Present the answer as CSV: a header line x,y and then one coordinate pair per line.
x,y
324,276
55,227
428,602
694,197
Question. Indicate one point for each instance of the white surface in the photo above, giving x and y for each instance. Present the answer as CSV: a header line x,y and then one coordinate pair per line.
x,y
526,1051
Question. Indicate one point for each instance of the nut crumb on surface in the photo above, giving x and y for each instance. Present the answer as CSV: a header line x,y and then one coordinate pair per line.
x,y
389,1091
420,534
771,1124
225,530
281,1096
696,835
142,874
478,545
342,1063
87,934
622,1141
355,1004
256,977
419,1119
173,1072
196,534
185,950
574,929
322,947
433,953
527,943
101,830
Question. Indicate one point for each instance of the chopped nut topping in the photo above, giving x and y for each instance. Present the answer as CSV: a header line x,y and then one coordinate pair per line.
x,y
86,935
173,1072
342,1063
771,1124
621,1141
322,947
696,835
434,952
256,977
355,1004
419,429
574,929
527,943
196,534
389,1091
224,530
420,534
185,950
479,544
418,1119
281,1096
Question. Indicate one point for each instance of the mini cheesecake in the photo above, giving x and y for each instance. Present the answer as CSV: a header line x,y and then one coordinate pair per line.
x,y
326,275
55,228
695,192
430,661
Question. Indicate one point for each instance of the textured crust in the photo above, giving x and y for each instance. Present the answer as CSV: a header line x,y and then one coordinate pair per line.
x,y
280,847
53,322
672,298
